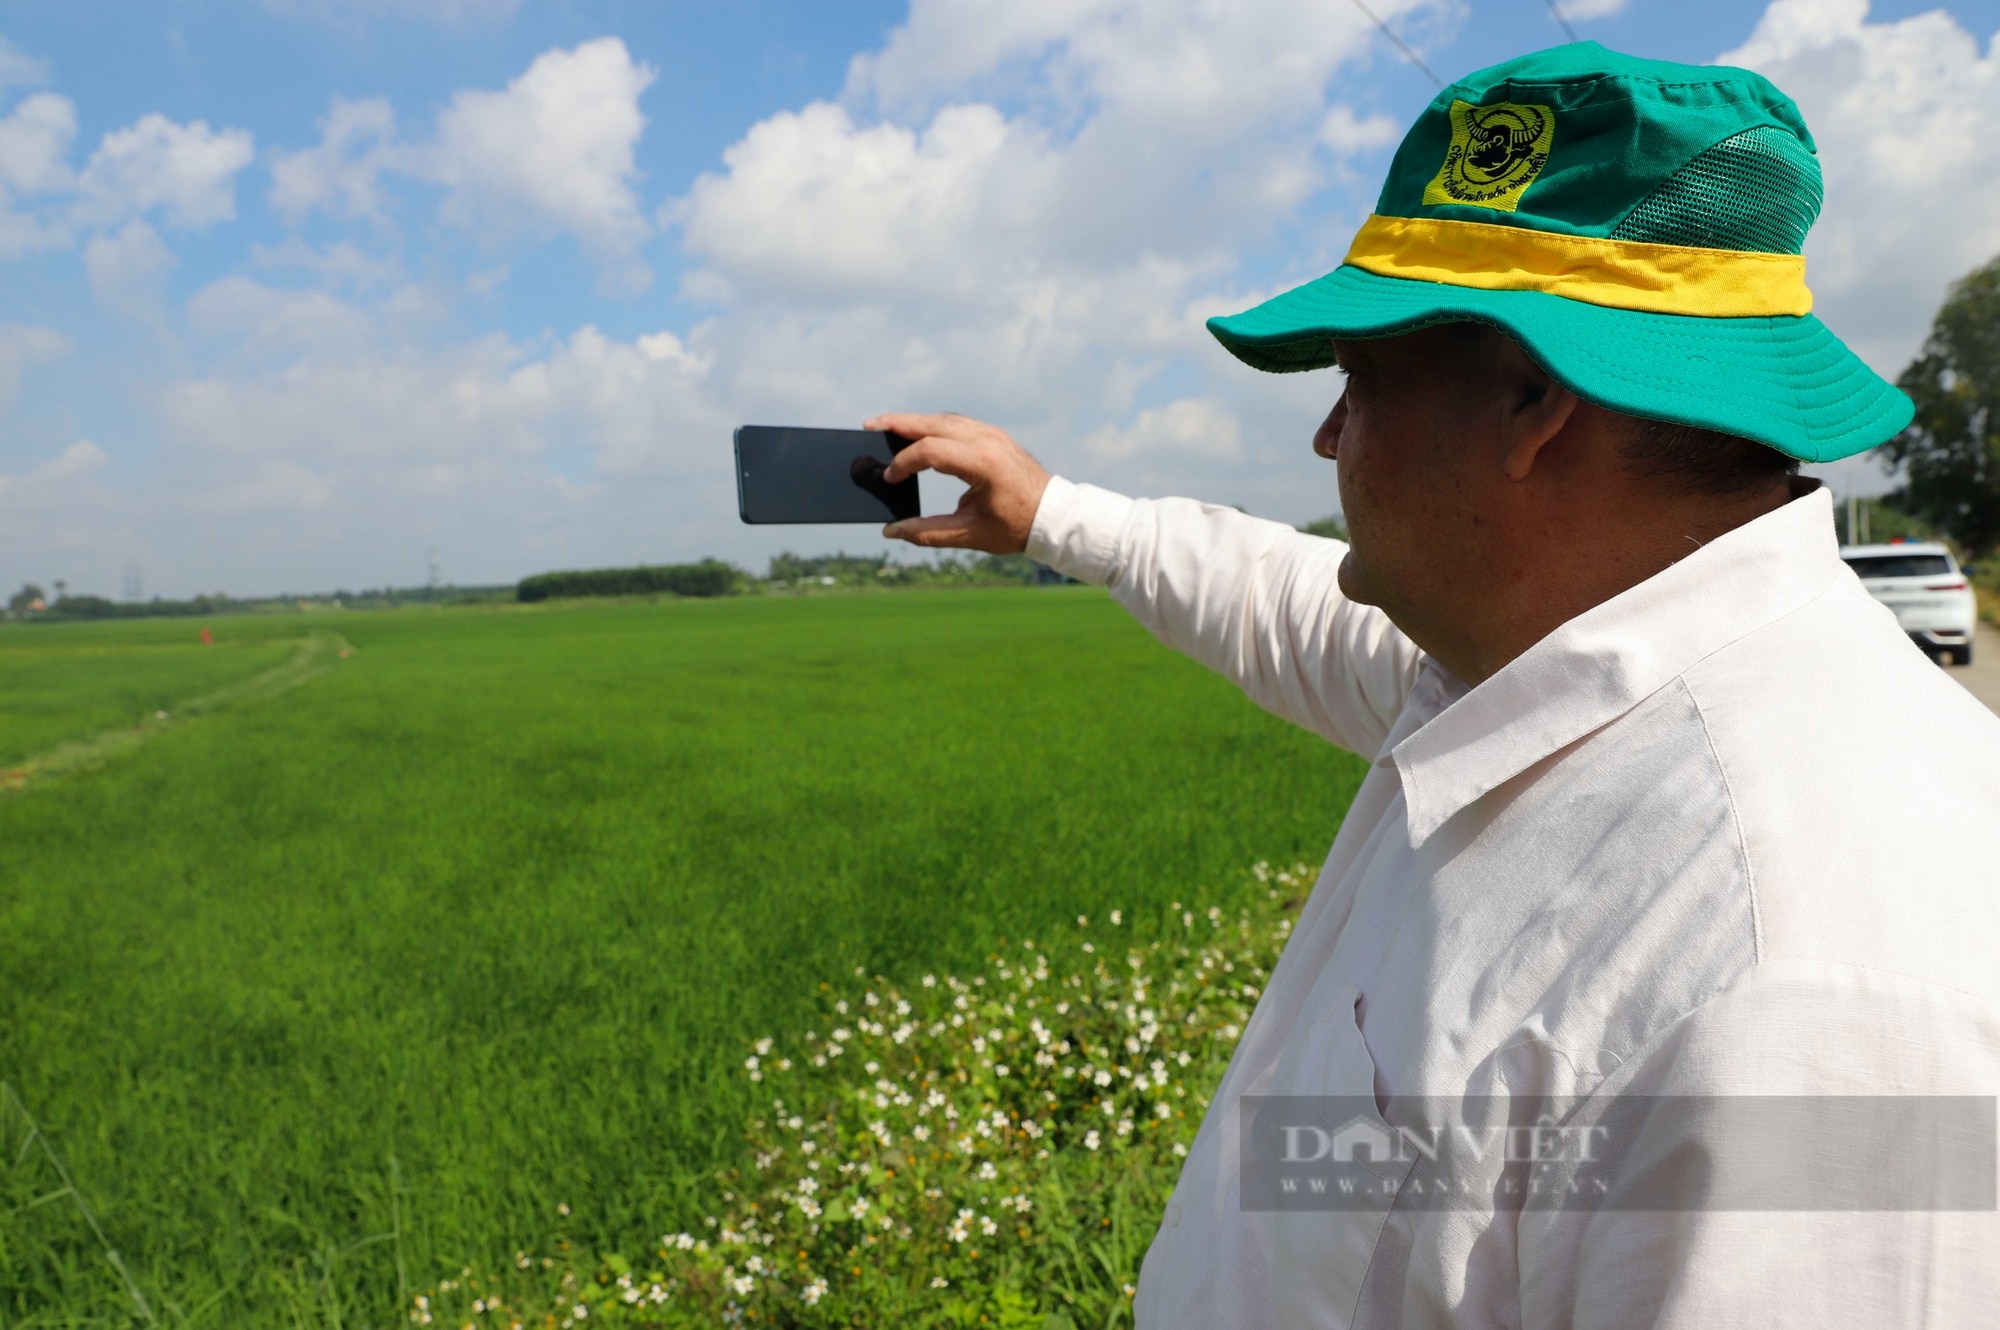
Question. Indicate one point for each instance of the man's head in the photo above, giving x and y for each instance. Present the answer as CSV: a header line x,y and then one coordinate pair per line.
x,y
1579,342
1486,503
1637,227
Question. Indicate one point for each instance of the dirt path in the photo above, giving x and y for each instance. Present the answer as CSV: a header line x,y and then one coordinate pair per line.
x,y
316,654
1982,677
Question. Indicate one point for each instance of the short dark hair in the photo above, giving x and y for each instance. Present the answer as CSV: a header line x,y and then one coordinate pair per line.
x,y
1700,461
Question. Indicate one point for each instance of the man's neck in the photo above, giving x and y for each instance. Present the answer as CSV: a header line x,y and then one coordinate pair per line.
x,y
1560,571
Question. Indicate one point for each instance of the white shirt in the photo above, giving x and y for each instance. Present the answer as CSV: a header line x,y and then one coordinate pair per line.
x,y
1728,833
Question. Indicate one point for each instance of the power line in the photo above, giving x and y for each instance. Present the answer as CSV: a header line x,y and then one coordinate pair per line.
x,y
1408,52
1556,9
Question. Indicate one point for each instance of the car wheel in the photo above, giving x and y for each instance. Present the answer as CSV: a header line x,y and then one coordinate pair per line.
x,y
1962,656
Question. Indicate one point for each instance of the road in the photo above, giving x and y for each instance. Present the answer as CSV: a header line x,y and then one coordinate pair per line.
x,y
1982,677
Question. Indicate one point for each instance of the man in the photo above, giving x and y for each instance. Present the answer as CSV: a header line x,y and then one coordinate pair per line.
x,y
1664,809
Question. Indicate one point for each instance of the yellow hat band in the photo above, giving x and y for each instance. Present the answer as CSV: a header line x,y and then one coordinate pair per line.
x,y
1623,274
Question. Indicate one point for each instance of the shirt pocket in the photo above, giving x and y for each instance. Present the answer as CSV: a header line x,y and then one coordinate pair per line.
x,y
1320,1124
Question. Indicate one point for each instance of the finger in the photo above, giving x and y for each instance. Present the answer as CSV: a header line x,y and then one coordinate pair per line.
x,y
954,457
944,424
948,531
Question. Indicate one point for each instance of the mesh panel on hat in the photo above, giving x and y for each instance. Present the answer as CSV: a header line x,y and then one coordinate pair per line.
x,y
1758,190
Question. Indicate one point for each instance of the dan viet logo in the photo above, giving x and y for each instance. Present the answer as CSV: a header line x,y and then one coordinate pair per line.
x,y
1361,1141
1763,1153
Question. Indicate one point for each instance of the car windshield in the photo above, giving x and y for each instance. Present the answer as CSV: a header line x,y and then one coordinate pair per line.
x,y
1899,565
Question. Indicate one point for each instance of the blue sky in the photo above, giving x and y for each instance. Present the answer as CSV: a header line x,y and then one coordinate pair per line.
x,y
298,291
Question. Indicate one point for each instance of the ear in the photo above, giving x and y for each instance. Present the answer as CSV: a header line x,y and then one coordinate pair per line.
x,y
1535,409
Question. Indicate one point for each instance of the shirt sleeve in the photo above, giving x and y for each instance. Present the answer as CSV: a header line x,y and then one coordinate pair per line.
x,y
1256,601
1814,1148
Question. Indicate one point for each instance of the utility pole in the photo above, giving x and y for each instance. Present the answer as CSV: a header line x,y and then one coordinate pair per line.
x,y
135,589
1853,517
436,577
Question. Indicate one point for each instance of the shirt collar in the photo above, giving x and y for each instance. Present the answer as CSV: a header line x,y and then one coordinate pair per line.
x,y
1605,661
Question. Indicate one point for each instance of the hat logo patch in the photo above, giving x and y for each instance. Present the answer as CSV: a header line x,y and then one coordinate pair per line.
x,y
1496,152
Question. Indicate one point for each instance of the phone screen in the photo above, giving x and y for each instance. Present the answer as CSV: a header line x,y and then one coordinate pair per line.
x,y
794,475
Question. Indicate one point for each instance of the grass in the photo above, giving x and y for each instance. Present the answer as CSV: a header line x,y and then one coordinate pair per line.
x,y
323,995
63,681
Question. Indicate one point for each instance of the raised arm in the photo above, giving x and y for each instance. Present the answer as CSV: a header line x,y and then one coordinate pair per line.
x,y
1254,600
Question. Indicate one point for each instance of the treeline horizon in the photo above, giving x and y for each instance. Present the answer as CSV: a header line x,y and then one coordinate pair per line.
x,y
703,578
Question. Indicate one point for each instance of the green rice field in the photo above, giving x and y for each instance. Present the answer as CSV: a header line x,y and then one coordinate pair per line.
x,y
324,989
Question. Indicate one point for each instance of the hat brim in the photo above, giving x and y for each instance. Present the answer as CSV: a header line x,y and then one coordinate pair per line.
x,y
1781,380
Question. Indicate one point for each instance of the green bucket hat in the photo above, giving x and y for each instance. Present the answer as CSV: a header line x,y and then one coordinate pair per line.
x,y
1635,225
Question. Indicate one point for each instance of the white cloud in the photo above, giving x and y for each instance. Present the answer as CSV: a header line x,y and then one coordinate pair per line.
x,y
1020,211
59,519
58,506
343,173
22,345
359,451
1903,113
1210,70
79,459
153,166
339,263
186,171
552,151
18,69
1578,11
1200,426
1345,134
1033,238
128,270
814,205
277,324
34,141
555,148
1174,131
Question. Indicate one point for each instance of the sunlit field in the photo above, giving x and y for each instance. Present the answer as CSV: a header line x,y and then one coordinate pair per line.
x,y
327,994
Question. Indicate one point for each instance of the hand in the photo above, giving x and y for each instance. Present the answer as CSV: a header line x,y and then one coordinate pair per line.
x,y
993,516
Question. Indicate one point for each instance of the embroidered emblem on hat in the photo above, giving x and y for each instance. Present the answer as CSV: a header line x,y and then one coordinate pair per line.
x,y
1496,153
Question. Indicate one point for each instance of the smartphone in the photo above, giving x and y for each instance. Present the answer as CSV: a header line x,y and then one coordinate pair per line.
x,y
786,474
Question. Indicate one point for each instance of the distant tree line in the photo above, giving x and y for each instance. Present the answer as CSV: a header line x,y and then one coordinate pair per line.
x,y
788,572
31,602
710,577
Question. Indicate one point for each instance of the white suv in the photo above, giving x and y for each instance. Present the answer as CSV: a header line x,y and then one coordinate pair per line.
x,y
1923,585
